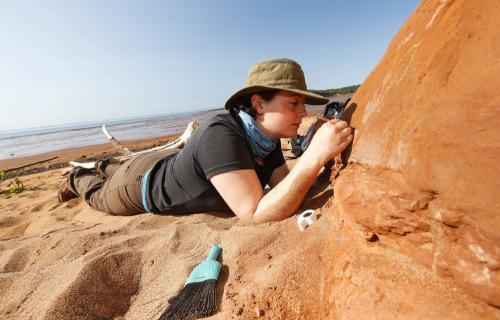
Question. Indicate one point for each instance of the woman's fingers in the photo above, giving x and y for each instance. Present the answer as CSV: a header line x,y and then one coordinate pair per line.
x,y
349,138
345,132
340,128
346,142
331,139
339,125
329,120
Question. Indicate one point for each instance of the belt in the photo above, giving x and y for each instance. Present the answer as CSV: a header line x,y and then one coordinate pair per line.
x,y
144,189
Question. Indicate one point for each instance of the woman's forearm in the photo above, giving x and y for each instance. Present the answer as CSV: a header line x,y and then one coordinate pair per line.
x,y
285,198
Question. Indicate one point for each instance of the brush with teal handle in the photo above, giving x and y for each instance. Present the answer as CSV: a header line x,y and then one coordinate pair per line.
x,y
197,298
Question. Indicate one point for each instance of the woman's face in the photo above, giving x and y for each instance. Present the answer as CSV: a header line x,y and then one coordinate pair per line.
x,y
281,116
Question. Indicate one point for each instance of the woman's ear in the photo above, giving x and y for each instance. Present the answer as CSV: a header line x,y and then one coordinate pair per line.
x,y
257,103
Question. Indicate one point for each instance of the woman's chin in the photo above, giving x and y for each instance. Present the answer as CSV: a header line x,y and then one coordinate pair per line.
x,y
292,133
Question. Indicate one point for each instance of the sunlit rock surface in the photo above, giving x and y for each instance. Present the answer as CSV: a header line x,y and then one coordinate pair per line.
x,y
424,167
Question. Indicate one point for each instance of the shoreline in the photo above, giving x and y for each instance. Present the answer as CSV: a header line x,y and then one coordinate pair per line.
x,y
58,159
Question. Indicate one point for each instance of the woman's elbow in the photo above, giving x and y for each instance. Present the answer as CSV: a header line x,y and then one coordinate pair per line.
x,y
255,216
246,212
246,217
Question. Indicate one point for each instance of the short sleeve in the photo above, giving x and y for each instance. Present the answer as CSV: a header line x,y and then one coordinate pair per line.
x,y
277,158
221,149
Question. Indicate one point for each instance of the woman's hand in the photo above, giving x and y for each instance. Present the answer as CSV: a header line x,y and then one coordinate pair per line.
x,y
329,141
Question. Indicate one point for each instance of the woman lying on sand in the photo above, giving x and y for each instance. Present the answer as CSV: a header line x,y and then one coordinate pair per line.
x,y
228,160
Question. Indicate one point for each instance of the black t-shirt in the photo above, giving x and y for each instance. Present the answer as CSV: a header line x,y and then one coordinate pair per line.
x,y
179,183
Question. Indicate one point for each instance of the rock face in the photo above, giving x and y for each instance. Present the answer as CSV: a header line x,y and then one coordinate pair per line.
x,y
424,167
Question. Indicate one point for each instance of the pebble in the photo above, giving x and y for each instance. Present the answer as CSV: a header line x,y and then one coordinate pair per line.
x,y
258,312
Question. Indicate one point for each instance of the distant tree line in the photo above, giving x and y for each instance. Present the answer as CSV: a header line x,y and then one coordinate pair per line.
x,y
331,92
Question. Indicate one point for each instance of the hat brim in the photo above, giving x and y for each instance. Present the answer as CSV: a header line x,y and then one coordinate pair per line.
x,y
310,98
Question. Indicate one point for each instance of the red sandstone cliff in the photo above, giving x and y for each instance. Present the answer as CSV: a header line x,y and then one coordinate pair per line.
x,y
424,168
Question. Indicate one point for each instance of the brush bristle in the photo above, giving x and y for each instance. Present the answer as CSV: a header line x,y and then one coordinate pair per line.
x,y
195,300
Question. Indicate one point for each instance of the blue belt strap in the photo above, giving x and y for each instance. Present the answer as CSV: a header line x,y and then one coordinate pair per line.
x,y
144,188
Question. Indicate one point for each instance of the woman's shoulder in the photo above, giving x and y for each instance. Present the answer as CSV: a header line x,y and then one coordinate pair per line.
x,y
223,119
219,127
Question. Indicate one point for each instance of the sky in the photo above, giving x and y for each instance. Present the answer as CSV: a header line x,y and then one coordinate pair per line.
x,y
71,61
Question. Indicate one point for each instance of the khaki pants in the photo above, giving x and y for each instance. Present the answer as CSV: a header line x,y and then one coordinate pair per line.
x,y
117,188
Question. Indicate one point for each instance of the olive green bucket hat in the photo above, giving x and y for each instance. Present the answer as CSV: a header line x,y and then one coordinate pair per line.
x,y
279,73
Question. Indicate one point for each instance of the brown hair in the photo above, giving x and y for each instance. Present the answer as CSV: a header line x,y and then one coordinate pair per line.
x,y
245,102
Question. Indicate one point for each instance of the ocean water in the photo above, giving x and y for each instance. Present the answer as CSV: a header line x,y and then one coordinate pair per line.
x,y
26,142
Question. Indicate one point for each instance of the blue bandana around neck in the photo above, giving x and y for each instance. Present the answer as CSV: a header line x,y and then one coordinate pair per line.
x,y
261,144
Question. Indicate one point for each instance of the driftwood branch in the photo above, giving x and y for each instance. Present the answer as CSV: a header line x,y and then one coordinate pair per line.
x,y
115,142
126,154
30,164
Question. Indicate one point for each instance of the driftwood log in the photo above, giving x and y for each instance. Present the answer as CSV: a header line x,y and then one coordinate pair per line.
x,y
127,154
